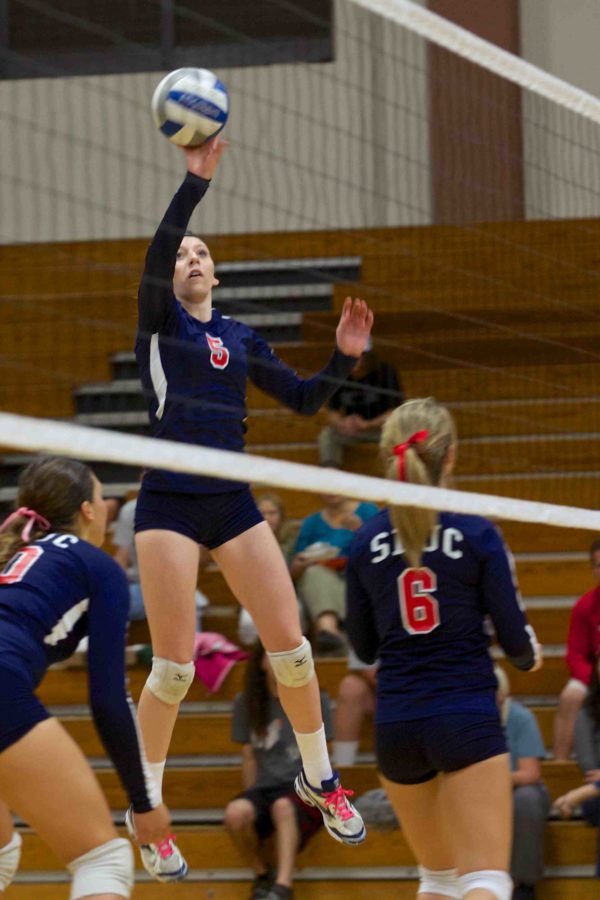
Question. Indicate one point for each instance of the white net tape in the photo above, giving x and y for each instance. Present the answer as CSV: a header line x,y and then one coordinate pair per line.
x,y
477,50
77,441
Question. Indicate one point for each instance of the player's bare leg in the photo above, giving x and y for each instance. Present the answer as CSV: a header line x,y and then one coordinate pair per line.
x,y
45,779
256,572
417,807
168,564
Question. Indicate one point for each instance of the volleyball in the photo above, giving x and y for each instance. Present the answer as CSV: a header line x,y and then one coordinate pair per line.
x,y
190,106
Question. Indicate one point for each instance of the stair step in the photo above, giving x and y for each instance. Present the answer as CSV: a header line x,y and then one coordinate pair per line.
x,y
205,886
567,844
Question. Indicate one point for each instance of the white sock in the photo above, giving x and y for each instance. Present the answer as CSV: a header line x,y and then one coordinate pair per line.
x,y
344,752
315,758
157,771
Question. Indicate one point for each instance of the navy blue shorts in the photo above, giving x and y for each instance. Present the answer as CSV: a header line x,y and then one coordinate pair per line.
x,y
20,709
209,519
416,751
308,818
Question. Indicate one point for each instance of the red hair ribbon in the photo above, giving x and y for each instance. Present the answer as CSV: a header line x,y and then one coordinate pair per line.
x,y
400,449
33,517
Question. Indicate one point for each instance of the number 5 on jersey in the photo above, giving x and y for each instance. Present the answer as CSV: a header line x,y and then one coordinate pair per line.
x,y
219,355
419,609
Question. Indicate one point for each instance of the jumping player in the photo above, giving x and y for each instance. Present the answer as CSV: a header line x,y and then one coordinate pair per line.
x,y
420,587
194,365
56,586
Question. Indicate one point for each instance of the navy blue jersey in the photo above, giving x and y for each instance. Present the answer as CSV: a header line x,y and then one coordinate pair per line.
x,y
53,592
194,374
428,626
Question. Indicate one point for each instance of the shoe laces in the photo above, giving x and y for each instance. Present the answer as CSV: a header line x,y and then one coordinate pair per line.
x,y
337,799
165,848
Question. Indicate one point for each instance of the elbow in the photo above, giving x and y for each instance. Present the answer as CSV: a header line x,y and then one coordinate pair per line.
x,y
308,407
524,661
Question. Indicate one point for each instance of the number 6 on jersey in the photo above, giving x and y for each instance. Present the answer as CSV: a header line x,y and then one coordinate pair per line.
x,y
419,610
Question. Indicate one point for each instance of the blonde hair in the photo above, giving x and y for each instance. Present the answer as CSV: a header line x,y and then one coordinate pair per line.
x,y
423,464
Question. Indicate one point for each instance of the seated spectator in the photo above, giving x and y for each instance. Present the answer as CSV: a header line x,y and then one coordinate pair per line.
x,y
123,539
272,508
583,644
318,565
355,700
587,744
531,801
356,412
270,762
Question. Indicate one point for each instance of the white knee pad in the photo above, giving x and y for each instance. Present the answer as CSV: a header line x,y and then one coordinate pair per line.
x,y
10,855
170,681
107,869
439,881
498,883
293,668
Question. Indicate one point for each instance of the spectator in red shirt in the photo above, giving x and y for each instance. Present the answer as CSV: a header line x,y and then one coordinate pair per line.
x,y
583,644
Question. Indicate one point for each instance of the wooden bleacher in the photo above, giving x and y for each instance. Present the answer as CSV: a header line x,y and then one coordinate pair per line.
x,y
477,318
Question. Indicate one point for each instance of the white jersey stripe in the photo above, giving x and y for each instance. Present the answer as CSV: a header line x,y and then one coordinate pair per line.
x,y
65,625
157,374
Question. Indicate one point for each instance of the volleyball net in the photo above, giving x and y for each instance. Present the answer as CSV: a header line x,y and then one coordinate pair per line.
x,y
450,183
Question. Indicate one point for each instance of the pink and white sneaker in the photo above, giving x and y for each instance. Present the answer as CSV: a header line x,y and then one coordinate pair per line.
x,y
163,861
341,819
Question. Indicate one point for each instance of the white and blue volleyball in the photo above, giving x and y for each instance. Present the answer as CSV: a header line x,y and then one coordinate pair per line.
x,y
190,106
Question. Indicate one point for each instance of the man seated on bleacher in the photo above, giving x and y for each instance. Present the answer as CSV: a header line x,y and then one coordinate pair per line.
x,y
268,803
531,801
358,409
583,644
587,747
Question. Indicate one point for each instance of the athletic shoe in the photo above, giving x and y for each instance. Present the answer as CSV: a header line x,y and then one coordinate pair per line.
x,y
262,885
163,861
342,820
280,892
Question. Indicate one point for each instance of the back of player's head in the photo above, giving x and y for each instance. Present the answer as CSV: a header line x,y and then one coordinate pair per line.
x,y
53,488
415,444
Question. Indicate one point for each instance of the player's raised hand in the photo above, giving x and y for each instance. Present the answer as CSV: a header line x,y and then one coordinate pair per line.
x,y
204,160
354,327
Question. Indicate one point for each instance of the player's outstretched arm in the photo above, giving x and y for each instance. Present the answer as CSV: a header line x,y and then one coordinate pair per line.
x,y
307,395
155,295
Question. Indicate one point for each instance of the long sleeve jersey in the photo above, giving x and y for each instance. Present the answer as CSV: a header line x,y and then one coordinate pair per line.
x,y
194,374
53,593
427,625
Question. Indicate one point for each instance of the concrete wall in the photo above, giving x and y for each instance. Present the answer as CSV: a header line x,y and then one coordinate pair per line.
x,y
562,163
333,145
343,144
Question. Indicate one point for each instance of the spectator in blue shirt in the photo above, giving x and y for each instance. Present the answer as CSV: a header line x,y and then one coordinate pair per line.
x,y
531,801
319,562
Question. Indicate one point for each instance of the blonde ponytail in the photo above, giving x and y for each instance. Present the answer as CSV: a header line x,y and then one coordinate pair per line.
x,y
419,462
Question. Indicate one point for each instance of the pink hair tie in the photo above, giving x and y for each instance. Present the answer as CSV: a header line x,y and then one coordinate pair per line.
x,y
400,449
33,517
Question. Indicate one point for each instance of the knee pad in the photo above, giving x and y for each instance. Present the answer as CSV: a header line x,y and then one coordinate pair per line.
x,y
170,681
497,883
107,869
439,881
10,855
293,668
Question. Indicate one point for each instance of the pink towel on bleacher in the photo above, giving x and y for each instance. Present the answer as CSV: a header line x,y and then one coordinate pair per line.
x,y
214,657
